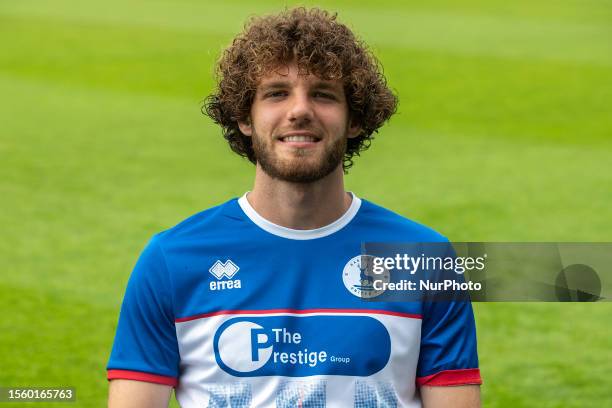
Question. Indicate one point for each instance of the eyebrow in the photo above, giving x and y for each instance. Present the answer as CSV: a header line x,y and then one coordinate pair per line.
x,y
325,85
285,84
275,84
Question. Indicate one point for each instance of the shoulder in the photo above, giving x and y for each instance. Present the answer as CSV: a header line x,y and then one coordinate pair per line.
x,y
396,226
207,223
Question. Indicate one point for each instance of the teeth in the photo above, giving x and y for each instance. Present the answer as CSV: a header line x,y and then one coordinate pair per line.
x,y
299,139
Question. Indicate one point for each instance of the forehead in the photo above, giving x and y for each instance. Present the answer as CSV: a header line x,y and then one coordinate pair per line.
x,y
291,75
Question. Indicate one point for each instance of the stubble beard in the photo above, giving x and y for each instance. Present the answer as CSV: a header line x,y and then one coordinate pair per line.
x,y
295,170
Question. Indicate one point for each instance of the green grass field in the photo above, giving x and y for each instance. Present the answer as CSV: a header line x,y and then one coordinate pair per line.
x,y
504,133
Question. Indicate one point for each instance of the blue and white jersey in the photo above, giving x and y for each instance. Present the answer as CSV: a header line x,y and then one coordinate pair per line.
x,y
235,311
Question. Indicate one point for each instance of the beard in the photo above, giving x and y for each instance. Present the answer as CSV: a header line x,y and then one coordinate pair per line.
x,y
301,167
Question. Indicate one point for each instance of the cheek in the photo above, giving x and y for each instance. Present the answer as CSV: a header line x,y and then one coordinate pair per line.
x,y
266,116
336,120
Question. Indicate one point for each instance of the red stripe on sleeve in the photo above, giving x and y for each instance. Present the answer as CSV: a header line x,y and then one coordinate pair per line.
x,y
140,376
451,377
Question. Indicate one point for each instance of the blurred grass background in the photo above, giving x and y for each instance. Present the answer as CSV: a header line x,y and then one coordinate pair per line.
x,y
504,133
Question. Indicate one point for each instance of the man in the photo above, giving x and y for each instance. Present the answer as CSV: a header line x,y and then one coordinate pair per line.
x,y
253,303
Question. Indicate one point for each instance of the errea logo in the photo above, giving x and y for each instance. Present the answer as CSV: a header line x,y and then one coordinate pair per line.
x,y
220,270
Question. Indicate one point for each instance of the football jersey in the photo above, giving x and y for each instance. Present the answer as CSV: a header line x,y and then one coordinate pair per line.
x,y
235,311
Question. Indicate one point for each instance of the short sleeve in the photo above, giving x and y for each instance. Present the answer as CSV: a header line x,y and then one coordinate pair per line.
x,y
145,346
448,354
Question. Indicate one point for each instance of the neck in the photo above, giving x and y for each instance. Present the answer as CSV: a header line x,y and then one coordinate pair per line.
x,y
300,206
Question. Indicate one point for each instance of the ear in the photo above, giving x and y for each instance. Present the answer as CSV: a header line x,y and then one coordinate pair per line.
x,y
245,127
354,130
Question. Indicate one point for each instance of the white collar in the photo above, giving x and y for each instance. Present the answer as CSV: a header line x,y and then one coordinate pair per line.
x,y
290,233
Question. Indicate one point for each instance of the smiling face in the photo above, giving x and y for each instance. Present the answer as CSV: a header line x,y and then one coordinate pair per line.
x,y
299,125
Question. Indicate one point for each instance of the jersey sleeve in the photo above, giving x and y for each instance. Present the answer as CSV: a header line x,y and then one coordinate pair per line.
x,y
448,354
145,346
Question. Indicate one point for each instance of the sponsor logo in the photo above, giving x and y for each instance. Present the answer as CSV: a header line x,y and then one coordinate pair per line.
x,y
358,277
222,270
299,346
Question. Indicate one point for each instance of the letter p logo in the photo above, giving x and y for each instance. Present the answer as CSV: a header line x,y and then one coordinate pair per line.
x,y
259,340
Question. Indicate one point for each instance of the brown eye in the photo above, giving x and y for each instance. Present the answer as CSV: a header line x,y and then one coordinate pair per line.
x,y
275,94
324,95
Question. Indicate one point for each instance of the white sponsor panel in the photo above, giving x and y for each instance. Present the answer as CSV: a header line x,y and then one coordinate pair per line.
x,y
199,368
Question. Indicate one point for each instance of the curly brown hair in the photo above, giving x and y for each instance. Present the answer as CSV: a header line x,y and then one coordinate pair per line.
x,y
320,45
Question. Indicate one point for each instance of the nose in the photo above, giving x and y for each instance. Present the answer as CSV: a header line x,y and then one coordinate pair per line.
x,y
300,110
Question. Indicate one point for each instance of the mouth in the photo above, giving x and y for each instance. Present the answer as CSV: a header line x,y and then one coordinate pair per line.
x,y
300,138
